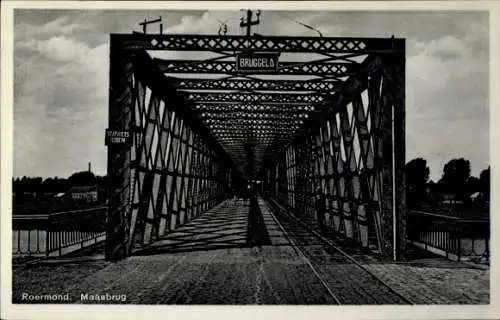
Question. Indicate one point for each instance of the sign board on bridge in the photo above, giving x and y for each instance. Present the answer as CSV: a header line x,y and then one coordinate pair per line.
x,y
115,137
257,62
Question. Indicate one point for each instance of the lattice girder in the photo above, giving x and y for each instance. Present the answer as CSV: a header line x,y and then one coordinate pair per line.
x,y
349,155
255,107
253,98
149,191
332,69
258,85
257,118
231,43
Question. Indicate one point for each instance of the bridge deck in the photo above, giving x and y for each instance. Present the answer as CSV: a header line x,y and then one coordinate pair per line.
x,y
241,253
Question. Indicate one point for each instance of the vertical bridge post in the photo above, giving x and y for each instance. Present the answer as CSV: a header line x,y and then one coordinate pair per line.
x,y
395,74
120,119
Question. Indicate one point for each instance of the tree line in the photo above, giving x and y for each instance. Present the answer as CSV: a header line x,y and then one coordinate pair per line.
x,y
35,195
455,185
40,186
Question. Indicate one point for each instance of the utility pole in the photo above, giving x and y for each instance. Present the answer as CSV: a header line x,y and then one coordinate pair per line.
x,y
146,23
248,23
222,28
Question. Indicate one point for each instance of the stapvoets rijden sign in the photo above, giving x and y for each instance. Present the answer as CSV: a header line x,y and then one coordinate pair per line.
x,y
257,62
120,138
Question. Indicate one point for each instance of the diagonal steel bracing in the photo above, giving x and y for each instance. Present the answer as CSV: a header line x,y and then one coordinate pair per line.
x,y
336,123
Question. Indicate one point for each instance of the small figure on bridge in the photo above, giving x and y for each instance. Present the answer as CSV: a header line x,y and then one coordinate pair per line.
x,y
320,205
248,192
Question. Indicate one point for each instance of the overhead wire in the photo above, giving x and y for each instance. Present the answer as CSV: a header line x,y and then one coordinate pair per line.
x,y
299,22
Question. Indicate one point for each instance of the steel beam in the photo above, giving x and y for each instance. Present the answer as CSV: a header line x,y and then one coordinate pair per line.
x,y
258,85
120,119
221,130
203,97
333,69
257,110
193,42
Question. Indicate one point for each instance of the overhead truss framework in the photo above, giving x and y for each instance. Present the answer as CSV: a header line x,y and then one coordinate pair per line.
x,y
260,85
198,122
334,70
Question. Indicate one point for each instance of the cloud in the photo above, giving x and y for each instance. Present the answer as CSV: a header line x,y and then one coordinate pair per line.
x,y
447,103
63,49
60,105
59,48
60,26
75,70
208,23
445,78
447,47
61,78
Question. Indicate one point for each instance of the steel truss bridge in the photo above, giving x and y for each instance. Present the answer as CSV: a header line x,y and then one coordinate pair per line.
x,y
331,116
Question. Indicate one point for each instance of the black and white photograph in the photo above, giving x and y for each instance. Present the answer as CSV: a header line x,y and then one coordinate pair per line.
x,y
251,155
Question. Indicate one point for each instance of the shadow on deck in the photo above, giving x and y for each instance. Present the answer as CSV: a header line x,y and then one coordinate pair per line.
x,y
241,226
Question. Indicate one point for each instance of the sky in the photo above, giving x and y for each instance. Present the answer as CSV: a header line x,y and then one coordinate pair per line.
x,y
61,70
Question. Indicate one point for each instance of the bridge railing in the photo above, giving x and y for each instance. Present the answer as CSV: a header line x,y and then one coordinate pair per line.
x,y
56,234
454,237
454,209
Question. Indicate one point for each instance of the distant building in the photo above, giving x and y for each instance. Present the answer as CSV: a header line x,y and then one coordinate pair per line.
x,y
448,198
449,203
47,195
84,193
30,195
